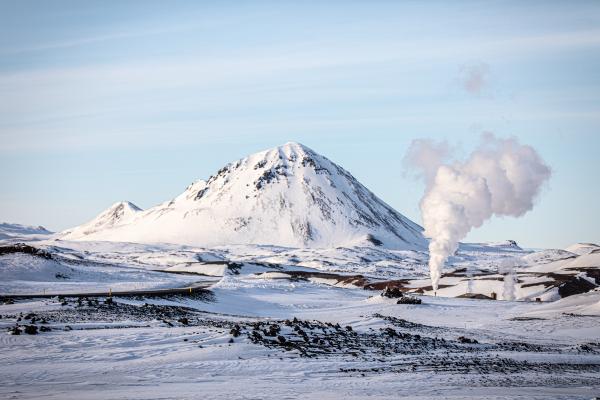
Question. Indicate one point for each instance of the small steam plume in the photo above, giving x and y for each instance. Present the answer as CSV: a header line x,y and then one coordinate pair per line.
x,y
501,177
469,283
509,287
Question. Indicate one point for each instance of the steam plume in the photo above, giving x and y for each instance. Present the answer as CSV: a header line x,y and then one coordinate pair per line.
x,y
501,177
507,268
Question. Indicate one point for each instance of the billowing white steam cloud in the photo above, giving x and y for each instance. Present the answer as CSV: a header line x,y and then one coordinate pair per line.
x,y
501,177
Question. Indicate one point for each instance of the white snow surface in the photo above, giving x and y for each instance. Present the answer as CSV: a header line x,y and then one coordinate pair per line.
x,y
583,248
26,274
564,264
286,196
133,359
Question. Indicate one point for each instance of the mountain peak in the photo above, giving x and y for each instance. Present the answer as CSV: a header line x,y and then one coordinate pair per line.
x,y
289,152
124,206
294,146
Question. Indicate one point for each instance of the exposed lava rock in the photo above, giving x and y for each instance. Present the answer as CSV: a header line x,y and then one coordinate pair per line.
x,y
31,329
267,177
576,285
392,293
374,240
15,330
201,193
234,267
26,249
463,339
593,273
272,331
409,300
235,331
381,285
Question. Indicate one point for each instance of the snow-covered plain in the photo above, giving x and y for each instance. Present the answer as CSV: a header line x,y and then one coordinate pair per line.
x,y
141,348
148,359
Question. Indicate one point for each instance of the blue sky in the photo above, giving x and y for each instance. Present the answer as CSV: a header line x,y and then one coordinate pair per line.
x,y
107,101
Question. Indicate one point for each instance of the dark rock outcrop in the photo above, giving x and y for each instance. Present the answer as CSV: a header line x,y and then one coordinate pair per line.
x,y
25,249
392,293
576,285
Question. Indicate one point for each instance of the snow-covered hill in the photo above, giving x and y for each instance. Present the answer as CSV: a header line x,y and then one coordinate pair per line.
x,y
18,231
583,248
285,196
116,215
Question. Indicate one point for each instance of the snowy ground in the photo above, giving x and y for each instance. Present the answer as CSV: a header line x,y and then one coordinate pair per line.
x,y
263,332
100,351
502,270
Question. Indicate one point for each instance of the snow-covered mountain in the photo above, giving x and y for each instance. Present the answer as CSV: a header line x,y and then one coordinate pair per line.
x,y
286,196
8,230
116,215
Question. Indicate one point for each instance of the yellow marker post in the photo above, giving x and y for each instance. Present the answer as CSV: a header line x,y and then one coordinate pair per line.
x,y
190,290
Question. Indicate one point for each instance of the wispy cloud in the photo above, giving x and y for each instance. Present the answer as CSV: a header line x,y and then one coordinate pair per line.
x,y
92,97
474,78
65,44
